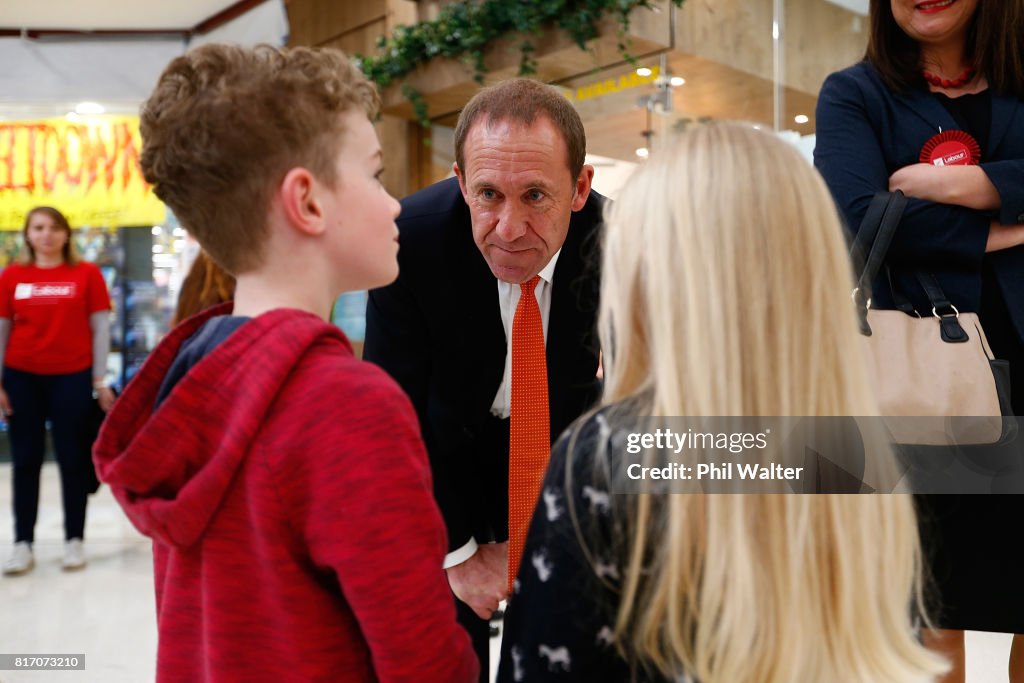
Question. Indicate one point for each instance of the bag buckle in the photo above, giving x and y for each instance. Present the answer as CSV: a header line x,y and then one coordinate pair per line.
x,y
858,300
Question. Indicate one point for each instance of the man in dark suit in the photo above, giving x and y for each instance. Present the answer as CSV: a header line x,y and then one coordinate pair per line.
x,y
520,206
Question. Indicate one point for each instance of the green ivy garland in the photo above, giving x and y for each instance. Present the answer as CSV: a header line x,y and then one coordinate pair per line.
x,y
464,29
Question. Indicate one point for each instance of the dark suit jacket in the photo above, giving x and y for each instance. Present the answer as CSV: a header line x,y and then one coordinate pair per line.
x,y
865,133
437,331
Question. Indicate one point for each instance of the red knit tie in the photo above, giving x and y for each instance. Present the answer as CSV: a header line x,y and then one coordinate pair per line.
x,y
529,431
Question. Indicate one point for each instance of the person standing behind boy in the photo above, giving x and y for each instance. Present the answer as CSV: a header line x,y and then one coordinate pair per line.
x,y
283,482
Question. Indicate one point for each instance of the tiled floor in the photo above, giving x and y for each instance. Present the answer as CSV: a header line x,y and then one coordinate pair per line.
x,y
106,611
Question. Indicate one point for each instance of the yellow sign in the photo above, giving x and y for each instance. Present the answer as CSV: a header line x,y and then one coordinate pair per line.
x,y
88,169
613,85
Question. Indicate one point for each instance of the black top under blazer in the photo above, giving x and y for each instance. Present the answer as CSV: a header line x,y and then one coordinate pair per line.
x,y
866,132
437,331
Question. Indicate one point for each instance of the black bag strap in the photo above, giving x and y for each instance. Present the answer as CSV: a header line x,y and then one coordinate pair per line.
x,y
871,245
874,238
937,298
875,235
949,318
901,302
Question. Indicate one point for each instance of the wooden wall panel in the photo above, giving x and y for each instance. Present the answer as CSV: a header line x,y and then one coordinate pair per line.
x,y
818,37
400,176
314,22
361,41
737,33
401,13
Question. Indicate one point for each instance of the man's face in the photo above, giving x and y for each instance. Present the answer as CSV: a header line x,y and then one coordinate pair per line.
x,y
520,193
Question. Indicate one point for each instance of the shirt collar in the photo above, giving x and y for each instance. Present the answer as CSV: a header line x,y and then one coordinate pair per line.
x,y
547,273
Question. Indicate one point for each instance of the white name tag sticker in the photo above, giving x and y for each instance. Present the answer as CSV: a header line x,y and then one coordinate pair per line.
x,y
44,290
53,290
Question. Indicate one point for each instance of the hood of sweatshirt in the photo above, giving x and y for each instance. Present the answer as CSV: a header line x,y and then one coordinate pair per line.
x,y
170,467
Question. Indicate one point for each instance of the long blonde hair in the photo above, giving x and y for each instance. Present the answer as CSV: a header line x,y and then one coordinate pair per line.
x,y
725,291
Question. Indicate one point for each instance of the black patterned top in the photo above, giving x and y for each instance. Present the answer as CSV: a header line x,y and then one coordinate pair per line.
x,y
560,619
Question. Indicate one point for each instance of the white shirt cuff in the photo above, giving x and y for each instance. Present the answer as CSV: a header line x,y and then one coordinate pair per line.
x,y
460,555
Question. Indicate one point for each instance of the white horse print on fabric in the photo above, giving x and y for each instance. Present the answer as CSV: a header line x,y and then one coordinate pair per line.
x,y
542,565
606,570
551,503
517,664
558,658
598,499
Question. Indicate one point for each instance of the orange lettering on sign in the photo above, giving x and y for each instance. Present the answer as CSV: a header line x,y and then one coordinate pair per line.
x,y
63,165
8,160
37,156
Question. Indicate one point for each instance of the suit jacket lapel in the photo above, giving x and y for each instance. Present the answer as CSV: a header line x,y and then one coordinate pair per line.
x,y
928,108
573,309
480,336
931,111
1004,109
563,317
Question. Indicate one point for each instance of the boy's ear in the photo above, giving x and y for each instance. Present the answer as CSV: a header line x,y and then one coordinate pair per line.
x,y
300,201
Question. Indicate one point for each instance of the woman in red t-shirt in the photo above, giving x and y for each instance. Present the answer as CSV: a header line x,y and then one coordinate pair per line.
x,y
54,341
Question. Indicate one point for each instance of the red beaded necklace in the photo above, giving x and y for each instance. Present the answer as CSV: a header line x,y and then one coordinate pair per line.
x,y
961,81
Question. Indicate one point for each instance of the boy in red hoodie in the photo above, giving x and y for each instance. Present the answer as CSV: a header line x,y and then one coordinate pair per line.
x,y
284,483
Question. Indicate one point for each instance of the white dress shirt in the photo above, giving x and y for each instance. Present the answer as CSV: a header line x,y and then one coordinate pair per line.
x,y
508,300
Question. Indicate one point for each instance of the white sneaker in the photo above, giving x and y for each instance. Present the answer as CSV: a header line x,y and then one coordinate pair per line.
x,y
21,560
74,555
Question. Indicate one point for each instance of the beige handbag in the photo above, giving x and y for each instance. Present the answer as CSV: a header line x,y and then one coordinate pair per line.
x,y
936,379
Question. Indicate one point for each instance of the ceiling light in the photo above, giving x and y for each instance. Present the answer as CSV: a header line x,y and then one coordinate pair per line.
x,y
644,71
677,81
158,248
157,229
72,116
801,118
87,108
642,152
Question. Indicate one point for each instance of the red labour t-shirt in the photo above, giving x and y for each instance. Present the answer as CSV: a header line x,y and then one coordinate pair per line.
x,y
50,309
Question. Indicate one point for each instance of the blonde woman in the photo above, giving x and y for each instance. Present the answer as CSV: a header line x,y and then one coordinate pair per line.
x,y
725,292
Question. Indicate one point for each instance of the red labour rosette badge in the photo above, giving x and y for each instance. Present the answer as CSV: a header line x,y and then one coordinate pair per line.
x,y
951,148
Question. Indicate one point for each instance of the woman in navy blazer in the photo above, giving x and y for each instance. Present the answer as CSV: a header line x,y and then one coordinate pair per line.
x,y
935,66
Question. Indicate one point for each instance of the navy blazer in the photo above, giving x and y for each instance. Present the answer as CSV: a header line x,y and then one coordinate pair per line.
x,y
865,133
437,331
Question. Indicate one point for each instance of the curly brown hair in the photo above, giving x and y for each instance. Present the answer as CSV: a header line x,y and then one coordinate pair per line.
x,y
225,124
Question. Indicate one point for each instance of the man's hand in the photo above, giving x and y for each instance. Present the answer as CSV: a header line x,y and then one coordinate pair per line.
x,y
482,581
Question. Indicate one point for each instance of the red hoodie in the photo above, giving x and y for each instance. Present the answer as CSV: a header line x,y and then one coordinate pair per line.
x,y
288,496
